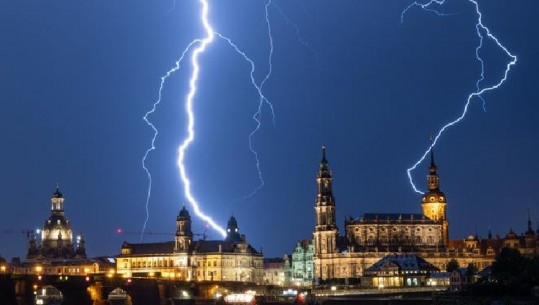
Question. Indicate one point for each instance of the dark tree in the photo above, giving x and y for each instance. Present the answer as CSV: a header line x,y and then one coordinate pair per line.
x,y
508,266
471,269
452,265
530,273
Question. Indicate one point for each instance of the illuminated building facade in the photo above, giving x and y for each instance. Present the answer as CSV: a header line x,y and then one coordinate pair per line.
x,y
232,259
56,253
4,267
56,235
398,270
372,236
526,244
277,271
302,271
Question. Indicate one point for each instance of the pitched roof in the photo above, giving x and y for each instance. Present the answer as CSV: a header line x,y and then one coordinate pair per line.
x,y
274,262
150,248
210,246
405,262
393,217
199,246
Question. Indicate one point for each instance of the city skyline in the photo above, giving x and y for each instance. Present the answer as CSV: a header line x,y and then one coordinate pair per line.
x,y
78,78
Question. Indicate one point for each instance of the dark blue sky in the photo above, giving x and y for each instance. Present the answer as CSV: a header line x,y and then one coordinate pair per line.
x,y
76,78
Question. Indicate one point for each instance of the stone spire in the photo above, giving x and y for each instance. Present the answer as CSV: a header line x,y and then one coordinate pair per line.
x,y
433,181
324,180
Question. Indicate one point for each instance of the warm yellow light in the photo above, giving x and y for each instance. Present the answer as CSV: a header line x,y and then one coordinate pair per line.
x,y
3,268
86,270
151,274
111,271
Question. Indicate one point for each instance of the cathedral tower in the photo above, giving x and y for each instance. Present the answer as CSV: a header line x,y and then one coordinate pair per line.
x,y
184,235
434,201
326,231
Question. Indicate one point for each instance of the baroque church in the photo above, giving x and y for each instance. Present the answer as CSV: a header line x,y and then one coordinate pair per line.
x,y
55,251
372,236
56,235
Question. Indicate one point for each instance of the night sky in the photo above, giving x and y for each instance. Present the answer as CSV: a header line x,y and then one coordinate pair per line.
x,y
77,77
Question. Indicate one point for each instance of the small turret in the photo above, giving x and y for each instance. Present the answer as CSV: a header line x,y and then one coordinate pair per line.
x,y
232,230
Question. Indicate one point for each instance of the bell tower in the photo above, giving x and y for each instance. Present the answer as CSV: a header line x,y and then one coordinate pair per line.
x,y
434,201
325,231
184,235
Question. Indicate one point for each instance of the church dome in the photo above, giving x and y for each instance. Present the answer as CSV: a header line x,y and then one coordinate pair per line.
x,y
55,222
511,235
470,238
434,196
184,214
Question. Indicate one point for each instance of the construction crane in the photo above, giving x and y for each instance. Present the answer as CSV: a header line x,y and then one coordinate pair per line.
x,y
120,231
28,233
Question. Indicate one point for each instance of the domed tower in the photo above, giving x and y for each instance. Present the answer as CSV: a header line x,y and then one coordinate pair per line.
x,y
325,231
184,235
232,230
434,201
57,236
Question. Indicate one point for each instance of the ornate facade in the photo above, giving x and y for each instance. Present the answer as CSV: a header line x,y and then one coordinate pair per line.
x,y
303,264
56,235
277,271
56,252
374,235
232,259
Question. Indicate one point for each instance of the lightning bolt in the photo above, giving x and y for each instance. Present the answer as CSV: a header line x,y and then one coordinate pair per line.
x,y
481,30
200,46
298,33
426,7
257,116
156,132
